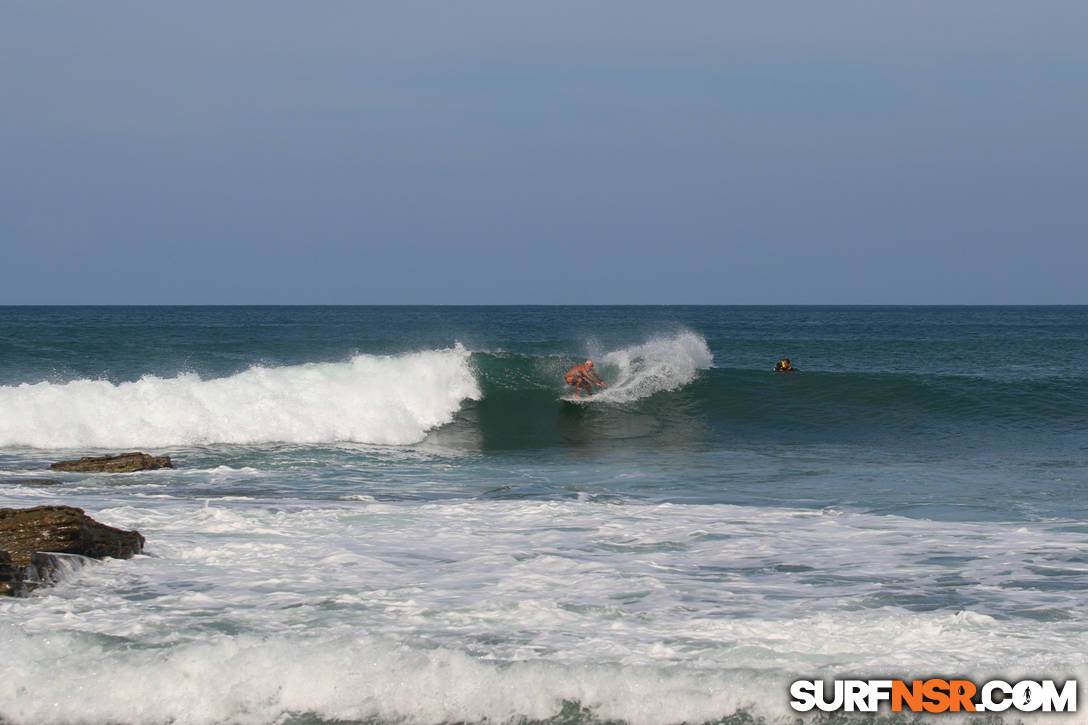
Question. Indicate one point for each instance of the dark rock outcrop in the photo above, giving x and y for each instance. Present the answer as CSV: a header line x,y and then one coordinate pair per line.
x,y
11,577
124,463
44,568
37,544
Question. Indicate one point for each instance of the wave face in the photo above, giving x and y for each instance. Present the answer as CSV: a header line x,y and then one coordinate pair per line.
x,y
368,399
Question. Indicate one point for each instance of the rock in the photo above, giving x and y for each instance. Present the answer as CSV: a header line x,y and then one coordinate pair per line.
x,y
63,529
124,463
34,543
11,577
44,568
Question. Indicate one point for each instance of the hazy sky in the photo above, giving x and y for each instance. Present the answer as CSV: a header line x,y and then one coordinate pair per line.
x,y
555,152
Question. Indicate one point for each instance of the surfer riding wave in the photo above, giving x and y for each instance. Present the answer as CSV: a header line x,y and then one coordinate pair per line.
x,y
582,376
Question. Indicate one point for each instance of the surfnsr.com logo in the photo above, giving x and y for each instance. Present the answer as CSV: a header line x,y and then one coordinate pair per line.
x,y
934,695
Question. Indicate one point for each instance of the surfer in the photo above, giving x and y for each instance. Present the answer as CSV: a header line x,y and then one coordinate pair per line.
x,y
783,366
580,376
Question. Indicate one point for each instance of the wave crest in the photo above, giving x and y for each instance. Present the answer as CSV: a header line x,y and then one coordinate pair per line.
x,y
390,400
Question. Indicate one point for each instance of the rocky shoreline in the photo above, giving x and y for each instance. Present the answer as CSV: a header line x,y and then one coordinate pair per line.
x,y
39,545
43,544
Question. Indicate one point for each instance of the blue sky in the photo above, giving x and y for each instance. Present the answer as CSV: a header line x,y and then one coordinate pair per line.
x,y
497,152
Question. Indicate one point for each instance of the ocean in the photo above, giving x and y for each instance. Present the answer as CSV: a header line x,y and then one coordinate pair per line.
x,y
387,514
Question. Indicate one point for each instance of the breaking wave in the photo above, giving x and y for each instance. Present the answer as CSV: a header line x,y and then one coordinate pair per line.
x,y
368,399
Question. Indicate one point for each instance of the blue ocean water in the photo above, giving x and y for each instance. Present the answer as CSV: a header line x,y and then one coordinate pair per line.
x,y
389,514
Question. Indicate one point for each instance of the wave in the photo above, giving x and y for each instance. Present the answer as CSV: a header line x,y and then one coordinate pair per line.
x,y
895,402
660,364
666,388
374,679
385,400
368,399
349,679
668,392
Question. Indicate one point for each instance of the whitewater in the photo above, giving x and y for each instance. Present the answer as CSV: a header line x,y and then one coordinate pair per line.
x,y
368,399
388,515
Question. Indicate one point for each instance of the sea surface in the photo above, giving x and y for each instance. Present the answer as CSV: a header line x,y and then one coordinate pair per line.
x,y
388,515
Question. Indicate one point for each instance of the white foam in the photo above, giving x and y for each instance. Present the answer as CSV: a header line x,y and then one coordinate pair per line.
x,y
465,611
658,365
356,677
64,677
368,399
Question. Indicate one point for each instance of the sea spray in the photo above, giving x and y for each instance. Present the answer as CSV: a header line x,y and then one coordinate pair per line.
x,y
367,399
657,365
